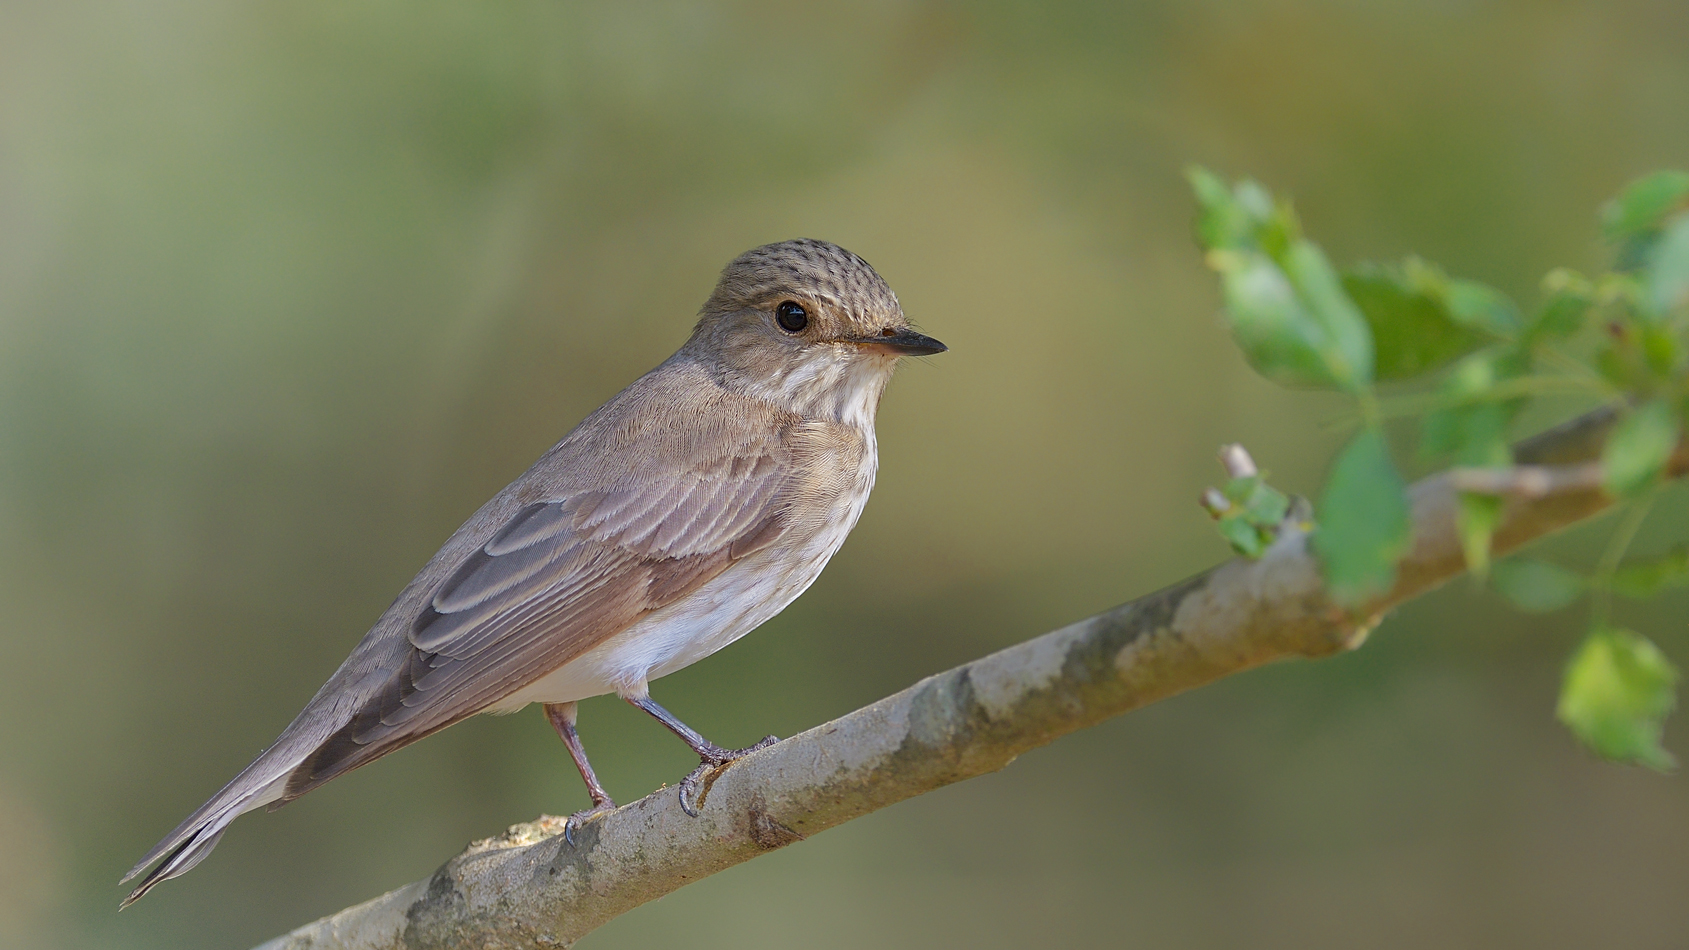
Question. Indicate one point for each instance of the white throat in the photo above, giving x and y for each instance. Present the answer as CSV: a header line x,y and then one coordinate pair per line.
x,y
838,382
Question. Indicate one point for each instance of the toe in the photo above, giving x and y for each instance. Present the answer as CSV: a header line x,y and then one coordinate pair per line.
x,y
689,785
694,785
582,817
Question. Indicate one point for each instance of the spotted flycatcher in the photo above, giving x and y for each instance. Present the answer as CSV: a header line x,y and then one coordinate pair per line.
x,y
684,512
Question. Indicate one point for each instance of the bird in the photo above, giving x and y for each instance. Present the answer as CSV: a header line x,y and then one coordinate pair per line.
x,y
683,513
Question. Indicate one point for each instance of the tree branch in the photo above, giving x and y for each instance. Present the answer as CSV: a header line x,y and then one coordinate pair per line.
x,y
530,888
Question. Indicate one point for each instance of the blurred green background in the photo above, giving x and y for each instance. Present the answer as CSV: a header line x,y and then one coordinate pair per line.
x,y
288,289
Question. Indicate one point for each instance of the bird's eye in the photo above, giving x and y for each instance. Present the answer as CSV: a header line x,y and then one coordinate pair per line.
x,y
791,316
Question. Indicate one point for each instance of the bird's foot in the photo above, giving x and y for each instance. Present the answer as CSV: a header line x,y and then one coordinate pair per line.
x,y
583,816
695,786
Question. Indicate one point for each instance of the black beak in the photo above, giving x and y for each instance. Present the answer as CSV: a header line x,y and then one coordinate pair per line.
x,y
904,342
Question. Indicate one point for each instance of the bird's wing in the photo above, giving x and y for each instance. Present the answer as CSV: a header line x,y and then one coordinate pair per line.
x,y
558,578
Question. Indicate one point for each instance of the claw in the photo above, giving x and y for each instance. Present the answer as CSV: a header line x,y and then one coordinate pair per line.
x,y
691,795
689,800
582,817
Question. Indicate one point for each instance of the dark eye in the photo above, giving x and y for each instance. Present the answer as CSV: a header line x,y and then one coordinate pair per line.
x,y
791,316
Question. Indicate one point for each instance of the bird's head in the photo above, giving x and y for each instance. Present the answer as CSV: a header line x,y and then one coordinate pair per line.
x,y
806,324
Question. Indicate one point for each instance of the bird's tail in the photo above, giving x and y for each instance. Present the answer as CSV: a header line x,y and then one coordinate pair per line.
x,y
256,785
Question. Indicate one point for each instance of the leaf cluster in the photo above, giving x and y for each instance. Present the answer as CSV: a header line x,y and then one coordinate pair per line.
x,y
1247,513
1465,360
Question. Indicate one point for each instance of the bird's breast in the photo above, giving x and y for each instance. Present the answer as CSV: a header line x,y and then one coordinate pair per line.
x,y
833,469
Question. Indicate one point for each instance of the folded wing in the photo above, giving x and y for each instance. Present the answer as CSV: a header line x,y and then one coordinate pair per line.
x,y
557,579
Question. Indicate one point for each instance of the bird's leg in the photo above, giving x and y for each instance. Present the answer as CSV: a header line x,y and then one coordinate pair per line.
x,y
562,718
711,755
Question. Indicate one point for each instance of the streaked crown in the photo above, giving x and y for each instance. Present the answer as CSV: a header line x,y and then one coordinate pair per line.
x,y
824,273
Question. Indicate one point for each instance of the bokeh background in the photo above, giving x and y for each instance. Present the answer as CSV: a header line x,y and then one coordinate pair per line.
x,y
288,288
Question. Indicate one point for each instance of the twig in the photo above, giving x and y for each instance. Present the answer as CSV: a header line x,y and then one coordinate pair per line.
x,y
1527,481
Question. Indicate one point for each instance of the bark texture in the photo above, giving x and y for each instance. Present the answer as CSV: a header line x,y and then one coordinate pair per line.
x,y
530,888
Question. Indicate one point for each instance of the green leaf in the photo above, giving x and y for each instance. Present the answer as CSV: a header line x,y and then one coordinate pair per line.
x,y
1570,298
1278,336
1281,332
1347,345
1476,521
1412,330
1667,281
1474,434
1617,692
1536,586
1472,377
1634,217
1251,523
1644,578
1247,539
1265,505
1473,427
1661,351
1224,222
1421,319
1287,309
1636,453
1364,524
1482,307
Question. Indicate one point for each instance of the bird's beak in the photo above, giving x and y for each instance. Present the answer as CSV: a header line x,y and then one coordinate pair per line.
x,y
903,342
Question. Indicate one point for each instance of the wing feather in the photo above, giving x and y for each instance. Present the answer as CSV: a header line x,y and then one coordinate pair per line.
x,y
533,524
557,578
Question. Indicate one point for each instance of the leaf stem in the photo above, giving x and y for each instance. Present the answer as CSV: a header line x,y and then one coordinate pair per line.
x,y
1601,582
1414,404
1580,369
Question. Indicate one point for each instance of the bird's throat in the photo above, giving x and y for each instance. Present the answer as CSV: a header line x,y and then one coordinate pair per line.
x,y
835,383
